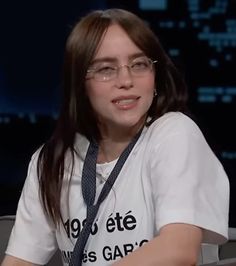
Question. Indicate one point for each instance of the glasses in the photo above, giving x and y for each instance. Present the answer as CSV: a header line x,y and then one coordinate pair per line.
x,y
107,71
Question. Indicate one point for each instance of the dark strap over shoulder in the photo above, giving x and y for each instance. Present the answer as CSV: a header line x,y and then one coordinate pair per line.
x,y
89,193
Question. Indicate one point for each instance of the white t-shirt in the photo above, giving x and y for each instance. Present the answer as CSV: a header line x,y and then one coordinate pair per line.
x,y
171,176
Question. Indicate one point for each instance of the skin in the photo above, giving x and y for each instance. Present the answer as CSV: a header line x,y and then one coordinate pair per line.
x,y
121,106
177,245
13,261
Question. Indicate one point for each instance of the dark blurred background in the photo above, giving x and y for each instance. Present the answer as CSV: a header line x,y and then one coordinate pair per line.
x,y
200,37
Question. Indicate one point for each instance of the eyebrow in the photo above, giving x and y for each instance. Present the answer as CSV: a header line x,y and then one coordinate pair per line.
x,y
114,59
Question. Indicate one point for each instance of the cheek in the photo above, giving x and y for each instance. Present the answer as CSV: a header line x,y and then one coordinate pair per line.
x,y
92,91
148,92
96,94
148,87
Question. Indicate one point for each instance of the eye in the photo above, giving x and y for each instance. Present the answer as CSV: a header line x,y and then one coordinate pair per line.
x,y
140,64
105,70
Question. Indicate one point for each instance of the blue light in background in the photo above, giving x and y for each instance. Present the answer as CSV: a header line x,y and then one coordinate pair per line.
x,y
214,62
174,52
230,155
225,95
153,4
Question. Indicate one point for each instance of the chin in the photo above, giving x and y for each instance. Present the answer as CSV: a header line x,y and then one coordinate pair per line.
x,y
130,122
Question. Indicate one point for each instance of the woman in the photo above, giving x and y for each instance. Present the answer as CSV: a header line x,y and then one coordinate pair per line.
x,y
170,194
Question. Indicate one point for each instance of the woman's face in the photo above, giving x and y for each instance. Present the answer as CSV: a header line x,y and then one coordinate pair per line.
x,y
122,101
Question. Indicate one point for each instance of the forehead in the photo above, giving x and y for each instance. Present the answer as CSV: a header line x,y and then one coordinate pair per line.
x,y
116,43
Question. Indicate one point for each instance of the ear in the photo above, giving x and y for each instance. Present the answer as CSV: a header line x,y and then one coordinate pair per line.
x,y
154,93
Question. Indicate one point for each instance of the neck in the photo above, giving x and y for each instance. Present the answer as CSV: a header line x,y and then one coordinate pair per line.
x,y
110,150
112,145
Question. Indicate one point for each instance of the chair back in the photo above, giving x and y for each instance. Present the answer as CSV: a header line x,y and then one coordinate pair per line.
x,y
6,224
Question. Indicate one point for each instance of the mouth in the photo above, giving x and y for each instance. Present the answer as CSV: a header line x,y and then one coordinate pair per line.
x,y
126,102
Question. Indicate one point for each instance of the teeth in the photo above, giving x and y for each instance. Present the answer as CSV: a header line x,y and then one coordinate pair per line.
x,y
125,101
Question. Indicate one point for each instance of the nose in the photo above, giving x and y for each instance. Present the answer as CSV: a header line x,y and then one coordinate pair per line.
x,y
124,78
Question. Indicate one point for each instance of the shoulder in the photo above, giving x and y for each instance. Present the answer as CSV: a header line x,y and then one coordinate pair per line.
x,y
81,145
173,124
174,121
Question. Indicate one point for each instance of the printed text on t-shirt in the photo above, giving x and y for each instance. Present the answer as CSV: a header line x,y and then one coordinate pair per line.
x,y
114,222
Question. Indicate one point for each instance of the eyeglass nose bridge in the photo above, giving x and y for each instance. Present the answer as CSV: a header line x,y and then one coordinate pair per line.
x,y
124,65
118,68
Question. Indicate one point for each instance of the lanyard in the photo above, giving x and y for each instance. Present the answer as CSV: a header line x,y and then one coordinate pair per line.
x,y
89,192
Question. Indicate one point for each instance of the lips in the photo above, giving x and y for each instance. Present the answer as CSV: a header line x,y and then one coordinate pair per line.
x,y
126,102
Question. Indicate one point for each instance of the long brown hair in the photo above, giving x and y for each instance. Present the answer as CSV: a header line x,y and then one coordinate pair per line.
x,y
76,115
